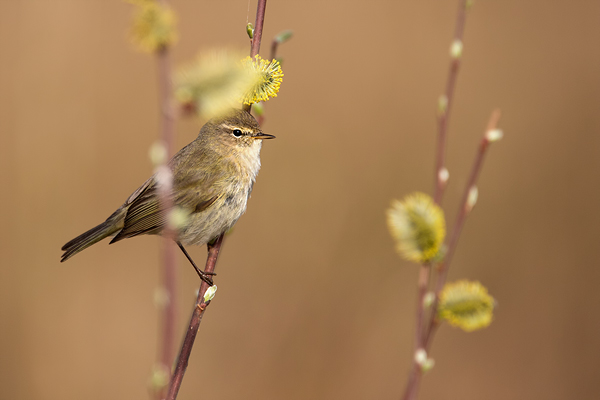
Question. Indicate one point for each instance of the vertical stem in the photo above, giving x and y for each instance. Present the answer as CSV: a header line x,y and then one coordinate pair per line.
x,y
168,257
414,381
422,290
444,116
458,225
274,46
169,315
213,254
415,374
194,325
257,37
258,27
425,338
412,386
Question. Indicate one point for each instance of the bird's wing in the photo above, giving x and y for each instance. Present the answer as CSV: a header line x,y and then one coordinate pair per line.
x,y
143,212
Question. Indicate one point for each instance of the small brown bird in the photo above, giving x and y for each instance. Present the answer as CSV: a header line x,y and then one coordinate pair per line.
x,y
212,181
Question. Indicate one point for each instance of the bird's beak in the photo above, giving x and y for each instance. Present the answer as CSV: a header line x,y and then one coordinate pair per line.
x,y
263,136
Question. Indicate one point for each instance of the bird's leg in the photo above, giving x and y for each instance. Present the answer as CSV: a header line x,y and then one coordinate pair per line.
x,y
203,275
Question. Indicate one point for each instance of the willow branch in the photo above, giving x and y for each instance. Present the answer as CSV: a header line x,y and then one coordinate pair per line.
x,y
424,337
444,113
195,320
414,381
274,47
260,117
415,376
257,35
168,256
258,27
465,209
213,254
440,180
422,290
281,37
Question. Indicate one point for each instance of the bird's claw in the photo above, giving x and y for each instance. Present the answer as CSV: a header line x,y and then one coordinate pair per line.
x,y
206,278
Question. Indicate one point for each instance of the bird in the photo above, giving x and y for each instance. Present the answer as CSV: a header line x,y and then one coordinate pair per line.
x,y
212,179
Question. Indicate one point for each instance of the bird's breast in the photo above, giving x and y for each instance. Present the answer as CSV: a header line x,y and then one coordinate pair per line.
x,y
220,216
231,202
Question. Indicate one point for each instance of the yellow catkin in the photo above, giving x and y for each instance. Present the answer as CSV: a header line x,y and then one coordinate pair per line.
x,y
418,226
466,305
218,80
267,79
153,26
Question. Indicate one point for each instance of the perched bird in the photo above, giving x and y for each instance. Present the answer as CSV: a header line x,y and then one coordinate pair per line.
x,y
212,181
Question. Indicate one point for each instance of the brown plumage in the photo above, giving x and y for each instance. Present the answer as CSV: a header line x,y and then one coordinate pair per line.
x,y
212,180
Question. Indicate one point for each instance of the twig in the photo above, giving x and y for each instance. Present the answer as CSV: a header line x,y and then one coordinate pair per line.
x,y
169,271
258,27
277,40
213,253
414,380
274,47
280,38
439,186
444,113
425,338
192,331
423,283
257,36
458,225
415,376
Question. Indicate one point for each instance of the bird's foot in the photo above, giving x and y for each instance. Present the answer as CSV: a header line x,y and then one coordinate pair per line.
x,y
206,277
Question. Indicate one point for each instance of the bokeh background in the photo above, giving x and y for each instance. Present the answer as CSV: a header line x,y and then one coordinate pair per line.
x,y
313,302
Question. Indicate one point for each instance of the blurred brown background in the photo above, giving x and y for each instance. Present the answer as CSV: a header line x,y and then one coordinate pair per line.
x,y
313,302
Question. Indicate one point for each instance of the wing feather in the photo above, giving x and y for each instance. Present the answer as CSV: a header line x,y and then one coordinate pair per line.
x,y
144,215
196,185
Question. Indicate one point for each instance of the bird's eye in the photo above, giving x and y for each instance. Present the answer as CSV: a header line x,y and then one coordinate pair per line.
x,y
237,133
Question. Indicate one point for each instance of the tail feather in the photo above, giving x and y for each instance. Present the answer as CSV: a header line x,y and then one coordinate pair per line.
x,y
88,238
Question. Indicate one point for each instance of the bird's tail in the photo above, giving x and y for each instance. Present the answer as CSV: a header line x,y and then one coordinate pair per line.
x,y
86,239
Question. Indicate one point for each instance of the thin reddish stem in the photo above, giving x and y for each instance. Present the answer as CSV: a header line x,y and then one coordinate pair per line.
x,y
412,386
425,337
195,320
444,115
274,47
422,290
257,36
213,254
463,212
168,257
415,373
258,27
